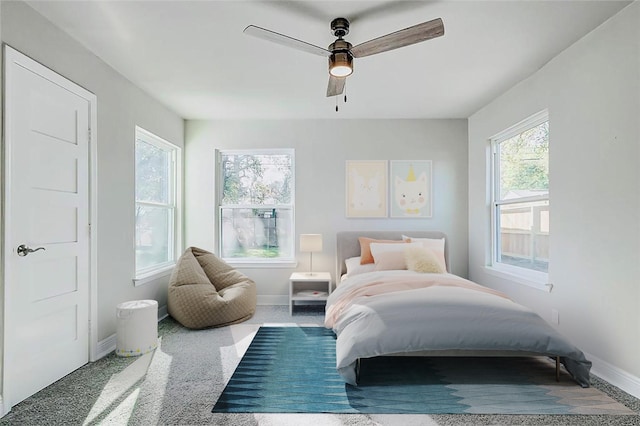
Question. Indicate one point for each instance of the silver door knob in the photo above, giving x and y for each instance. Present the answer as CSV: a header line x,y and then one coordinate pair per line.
x,y
23,250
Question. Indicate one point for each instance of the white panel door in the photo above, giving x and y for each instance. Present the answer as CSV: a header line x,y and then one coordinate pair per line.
x,y
46,210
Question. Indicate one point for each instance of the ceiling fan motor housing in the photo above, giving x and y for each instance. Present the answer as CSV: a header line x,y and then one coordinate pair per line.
x,y
340,27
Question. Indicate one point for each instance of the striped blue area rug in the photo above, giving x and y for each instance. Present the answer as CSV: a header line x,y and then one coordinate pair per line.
x,y
293,370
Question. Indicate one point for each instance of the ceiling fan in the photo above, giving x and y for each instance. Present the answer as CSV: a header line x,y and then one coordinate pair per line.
x,y
341,53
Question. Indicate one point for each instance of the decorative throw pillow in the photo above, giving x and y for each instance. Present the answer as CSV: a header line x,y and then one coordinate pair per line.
x,y
365,249
420,259
435,244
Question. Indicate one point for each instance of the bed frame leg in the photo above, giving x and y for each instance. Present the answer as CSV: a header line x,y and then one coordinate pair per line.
x,y
357,370
557,369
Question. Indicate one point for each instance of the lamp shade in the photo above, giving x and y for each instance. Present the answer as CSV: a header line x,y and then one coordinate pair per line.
x,y
310,242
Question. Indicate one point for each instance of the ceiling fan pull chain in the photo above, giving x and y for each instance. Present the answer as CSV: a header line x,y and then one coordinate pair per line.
x,y
345,92
336,104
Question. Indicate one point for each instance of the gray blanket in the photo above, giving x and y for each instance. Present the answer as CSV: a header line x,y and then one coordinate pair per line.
x,y
388,312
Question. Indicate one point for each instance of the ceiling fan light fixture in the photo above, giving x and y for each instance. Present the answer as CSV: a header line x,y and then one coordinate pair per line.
x,y
341,64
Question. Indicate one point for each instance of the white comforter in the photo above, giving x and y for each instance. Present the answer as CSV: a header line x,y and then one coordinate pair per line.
x,y
387,312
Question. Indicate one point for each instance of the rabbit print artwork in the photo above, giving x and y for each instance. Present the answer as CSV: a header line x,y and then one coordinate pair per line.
x,y
411,194
367,188
366,192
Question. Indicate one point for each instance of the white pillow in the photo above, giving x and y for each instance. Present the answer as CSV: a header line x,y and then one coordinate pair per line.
x,y
435,244
354,267
391,260
378,250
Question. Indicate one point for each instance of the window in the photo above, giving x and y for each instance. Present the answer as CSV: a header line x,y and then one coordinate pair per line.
x,y
256,199
157,206
520,199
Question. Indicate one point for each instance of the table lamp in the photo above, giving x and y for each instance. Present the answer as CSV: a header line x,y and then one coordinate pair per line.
x,y
310,243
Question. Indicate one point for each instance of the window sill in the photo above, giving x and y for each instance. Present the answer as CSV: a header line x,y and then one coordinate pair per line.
x,y
252,264
153,275
539,281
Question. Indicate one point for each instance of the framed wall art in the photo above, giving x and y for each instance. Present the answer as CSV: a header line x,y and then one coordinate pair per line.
x,y
366,188
410,189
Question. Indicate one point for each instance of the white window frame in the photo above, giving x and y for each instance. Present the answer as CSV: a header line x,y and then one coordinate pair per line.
x,y
146,275
288,262
529,277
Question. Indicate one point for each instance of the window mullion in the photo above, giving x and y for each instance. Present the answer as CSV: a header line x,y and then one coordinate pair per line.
x,y
495,213
257,206
522,200
158,205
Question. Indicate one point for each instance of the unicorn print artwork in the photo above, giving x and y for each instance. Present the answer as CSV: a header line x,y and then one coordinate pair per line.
x,y
411,193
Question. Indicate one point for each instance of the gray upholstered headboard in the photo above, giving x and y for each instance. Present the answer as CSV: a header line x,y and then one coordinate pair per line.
x,y
349,246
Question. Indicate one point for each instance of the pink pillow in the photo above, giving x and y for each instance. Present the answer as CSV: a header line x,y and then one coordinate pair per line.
x,y
365,248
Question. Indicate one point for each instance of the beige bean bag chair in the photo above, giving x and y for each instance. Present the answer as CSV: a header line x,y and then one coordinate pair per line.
x,y
204,291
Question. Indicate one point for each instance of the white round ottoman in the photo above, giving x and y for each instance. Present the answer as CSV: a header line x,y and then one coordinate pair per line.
x,y
137,331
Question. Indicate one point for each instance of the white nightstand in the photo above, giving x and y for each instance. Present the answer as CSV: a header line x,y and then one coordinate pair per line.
x,y
308,287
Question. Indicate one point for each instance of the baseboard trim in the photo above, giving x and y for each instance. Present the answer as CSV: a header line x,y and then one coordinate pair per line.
x,y
616,376
273,300
106,346
3,411
162,313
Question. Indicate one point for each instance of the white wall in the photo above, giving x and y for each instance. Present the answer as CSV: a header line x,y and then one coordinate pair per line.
x,y
2,408
321,149
592,91
121,106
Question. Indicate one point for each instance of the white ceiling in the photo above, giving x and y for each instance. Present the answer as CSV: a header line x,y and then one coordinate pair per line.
x,y
193,56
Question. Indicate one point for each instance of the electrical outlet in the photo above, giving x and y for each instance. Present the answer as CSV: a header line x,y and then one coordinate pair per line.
x,y
555,317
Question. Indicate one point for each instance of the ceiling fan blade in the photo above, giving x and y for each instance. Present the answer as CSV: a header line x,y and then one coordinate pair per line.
x,y
336,85
406,37
285,40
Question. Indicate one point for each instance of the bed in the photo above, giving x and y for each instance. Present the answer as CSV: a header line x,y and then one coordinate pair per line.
x,y
401,312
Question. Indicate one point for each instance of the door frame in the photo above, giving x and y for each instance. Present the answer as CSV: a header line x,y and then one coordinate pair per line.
x,y
12,56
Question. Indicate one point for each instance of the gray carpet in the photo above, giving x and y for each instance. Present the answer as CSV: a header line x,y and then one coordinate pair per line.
x,y
179,383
